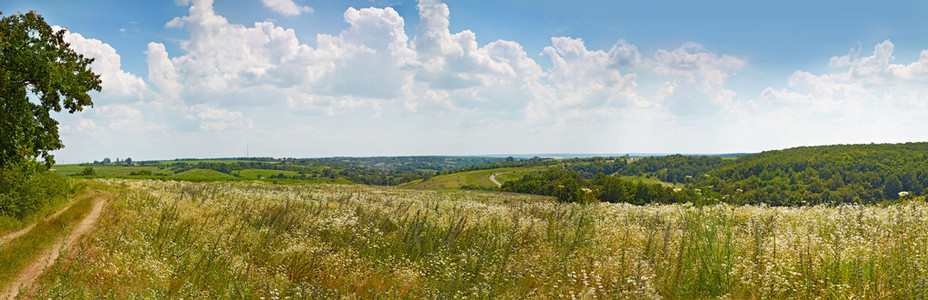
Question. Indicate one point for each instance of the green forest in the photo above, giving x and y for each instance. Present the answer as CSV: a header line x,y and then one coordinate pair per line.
x,y
837,174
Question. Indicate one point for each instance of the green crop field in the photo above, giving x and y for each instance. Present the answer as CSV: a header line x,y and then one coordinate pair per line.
x,y
109,170
256,173
248,239
202,174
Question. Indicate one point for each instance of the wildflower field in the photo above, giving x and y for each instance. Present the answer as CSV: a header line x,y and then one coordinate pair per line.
x,y
258,240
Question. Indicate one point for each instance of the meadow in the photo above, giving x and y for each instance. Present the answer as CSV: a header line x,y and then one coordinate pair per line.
x,y
474,179
166,239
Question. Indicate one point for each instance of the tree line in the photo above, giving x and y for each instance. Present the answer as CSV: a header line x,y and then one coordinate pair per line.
x,y
837,174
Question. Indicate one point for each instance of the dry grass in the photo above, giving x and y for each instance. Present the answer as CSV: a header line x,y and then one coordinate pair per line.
x,y
255,240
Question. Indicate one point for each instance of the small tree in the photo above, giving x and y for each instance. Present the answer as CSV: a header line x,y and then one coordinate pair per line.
x,y
88,171
35,60
891,187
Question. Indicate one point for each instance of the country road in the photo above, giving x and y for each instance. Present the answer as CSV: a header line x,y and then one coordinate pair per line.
x,y
32,272
493,179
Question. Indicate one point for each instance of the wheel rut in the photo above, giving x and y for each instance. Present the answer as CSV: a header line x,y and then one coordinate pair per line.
x,y
30,273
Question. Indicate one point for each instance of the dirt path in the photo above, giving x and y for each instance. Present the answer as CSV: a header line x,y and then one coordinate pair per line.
x,y
493,179
32,272
15,234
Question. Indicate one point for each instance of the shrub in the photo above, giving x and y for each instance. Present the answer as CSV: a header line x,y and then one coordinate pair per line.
x,y
142,172
24,192
88,171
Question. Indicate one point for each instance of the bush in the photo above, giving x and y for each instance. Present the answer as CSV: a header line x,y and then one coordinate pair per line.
x,y
142,172
88,171
24,192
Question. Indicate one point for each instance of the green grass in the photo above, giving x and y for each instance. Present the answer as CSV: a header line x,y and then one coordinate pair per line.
x,y
201,174
254,173
479,178
221,161
19,252
518,173
108,170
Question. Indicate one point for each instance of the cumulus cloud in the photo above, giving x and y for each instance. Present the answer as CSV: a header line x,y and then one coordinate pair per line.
x,y
368,59
161,72
447,61
586,82
861,83
692,67
453,70
212,118
287,7
107,63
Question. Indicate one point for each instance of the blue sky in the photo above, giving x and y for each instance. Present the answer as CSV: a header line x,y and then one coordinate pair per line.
x,y
304,78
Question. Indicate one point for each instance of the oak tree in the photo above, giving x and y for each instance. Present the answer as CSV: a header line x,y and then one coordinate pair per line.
x,y
39,73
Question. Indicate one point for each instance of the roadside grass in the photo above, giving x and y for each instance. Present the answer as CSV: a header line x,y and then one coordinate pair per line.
x,y
21,251
254,239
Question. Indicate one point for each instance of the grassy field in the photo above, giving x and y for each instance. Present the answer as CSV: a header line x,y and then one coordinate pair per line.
x,y
255,173
258,240
479,178
202,174
517,173
109,170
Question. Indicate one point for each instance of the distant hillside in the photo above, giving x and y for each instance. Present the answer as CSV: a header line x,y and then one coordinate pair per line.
x,y
834,174
823,174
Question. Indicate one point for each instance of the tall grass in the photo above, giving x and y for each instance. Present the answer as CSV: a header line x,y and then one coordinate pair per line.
x,y
253,240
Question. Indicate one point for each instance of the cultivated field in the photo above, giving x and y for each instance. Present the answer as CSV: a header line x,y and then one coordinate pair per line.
x,y
252,239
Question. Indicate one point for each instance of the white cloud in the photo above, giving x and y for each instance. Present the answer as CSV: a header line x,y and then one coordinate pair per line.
x,y
864,82
224,58
212,118
107,63
451,61
453,70
287,7
696,70
162,74
586,83
121,118
369,59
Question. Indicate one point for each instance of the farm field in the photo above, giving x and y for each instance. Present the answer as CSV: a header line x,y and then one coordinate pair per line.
x,y
114,170
164,239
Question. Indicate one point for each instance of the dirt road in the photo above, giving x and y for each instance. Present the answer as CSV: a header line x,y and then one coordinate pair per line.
x,y
32,272
493,179
12,235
